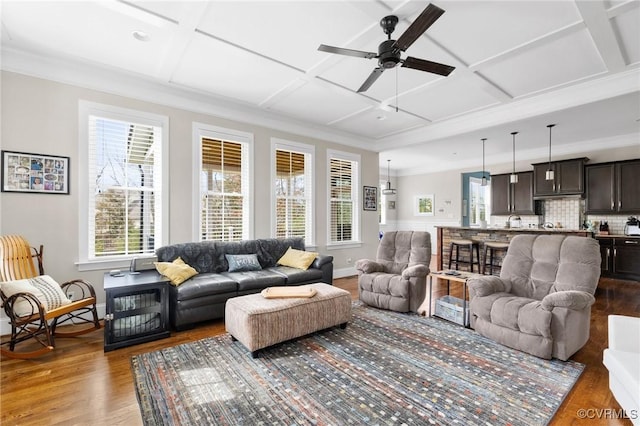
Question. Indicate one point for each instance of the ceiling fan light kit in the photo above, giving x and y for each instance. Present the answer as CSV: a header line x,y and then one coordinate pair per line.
x,y
514,177
549,174
389,51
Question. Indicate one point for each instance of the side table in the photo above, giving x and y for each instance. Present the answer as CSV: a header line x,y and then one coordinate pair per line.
x,y
137,308
447,301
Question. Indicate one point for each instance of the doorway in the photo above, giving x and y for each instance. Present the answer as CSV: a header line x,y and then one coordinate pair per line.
x,y
476,199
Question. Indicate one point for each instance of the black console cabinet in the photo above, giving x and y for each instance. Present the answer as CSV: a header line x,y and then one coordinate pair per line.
x,y
137,309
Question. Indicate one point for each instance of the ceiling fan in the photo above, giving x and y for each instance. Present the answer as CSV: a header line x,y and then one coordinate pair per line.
x,y
389,50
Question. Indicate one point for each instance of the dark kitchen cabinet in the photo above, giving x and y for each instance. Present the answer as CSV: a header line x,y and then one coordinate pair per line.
x,y
568,178
620,257
606,254
626,258
613,187
508,198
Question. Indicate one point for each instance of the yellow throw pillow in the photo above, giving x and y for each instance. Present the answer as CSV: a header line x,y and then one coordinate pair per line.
x,y
298,258
177,271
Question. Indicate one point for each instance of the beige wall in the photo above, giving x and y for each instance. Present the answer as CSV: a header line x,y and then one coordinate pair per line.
x,y
41,116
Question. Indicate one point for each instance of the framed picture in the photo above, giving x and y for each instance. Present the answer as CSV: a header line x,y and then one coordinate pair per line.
x,y
370,198
38,173
391,205
424,205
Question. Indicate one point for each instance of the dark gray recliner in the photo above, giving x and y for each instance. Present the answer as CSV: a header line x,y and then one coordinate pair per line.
x,y
541,303
396,280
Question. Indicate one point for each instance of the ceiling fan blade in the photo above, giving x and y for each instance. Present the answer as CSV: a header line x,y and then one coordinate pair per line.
x,y
348,52
428,16
371,79
428,66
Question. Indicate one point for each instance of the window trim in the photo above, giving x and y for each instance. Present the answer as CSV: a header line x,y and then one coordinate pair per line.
x,y
85,110
203,130
355,193
302,148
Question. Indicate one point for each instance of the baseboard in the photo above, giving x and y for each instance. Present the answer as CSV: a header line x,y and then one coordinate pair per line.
x,y
344,272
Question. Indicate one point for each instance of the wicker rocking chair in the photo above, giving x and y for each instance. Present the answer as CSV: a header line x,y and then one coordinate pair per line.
x,y
27,314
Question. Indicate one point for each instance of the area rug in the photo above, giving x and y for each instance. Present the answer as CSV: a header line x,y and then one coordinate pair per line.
x,y
384,368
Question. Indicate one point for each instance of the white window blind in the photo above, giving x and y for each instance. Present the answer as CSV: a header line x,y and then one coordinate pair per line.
x,y
293,194
343,184
224,185
125,188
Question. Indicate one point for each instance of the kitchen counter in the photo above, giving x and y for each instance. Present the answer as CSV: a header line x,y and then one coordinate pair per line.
x,y
617,236
580,232
448,233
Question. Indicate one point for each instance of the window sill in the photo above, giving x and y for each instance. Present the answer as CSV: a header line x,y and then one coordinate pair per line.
x,y
106,264
345,245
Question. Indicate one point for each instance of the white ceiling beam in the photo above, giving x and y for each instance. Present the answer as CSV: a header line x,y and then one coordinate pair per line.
x,y
599,26
184,35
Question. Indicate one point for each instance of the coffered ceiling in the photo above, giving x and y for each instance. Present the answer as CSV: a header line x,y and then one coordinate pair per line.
x,y
520,65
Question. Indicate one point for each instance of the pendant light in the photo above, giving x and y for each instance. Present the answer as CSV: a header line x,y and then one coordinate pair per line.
x,y
549,174
484,177
388,190
514,177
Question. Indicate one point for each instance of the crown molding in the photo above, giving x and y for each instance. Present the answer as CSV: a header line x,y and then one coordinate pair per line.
x,y
117,82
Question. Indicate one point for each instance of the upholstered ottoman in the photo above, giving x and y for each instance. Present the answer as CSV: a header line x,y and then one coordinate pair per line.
x,y
258,322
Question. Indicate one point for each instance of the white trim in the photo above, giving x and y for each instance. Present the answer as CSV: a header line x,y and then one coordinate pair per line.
x,y
345,272
86,109
202,130
355,191
287,145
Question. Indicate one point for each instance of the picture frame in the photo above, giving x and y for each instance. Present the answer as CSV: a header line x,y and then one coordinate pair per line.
x,y
34,173
391,205
424,205
370,197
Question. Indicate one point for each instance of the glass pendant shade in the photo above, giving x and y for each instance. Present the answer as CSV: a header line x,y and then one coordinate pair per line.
x,y
514,177
549,175
388,190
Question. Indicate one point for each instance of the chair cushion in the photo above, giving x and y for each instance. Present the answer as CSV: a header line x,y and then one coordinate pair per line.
x,y
521,314
43,287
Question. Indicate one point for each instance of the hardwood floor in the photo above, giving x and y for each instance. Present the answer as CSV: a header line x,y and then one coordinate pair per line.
x,y
79,384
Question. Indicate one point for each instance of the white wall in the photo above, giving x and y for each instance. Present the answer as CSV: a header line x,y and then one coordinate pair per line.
x,y
41,116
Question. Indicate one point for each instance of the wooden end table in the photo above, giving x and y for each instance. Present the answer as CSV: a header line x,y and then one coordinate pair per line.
x,y
456,276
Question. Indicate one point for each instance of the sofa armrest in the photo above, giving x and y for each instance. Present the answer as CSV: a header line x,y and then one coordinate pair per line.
x,y
486,285
321,259
624,333
367,266
415,271
571,299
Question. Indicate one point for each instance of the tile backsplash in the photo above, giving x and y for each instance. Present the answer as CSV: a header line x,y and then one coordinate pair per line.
x,y
569,213
616,222
564,211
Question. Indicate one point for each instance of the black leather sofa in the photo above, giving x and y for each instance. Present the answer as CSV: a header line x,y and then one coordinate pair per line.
x,y
203,296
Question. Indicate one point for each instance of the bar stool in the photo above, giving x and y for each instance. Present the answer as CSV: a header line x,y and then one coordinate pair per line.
x,y
493,247
469,245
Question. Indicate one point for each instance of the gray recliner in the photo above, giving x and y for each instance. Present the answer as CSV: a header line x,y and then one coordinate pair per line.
x,y
541,303
396,280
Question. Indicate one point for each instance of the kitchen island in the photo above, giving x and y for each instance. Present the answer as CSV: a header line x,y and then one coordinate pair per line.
x,y
448,233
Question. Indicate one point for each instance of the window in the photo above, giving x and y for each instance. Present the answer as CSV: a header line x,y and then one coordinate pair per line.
x,y
122,176
223,183
343,197
480,201
293,191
